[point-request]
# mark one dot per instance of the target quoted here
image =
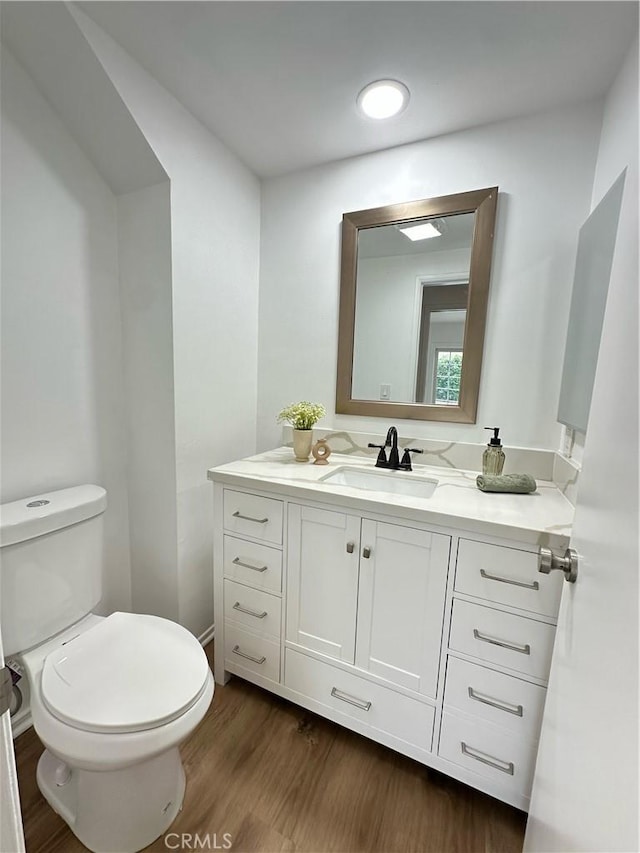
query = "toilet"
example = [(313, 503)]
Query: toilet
[(111, 697)]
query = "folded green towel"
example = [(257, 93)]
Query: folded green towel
[(518, 483)]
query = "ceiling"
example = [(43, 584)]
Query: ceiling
[(75, 85), (277, 81)]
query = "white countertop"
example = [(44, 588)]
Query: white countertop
[(543, 517)]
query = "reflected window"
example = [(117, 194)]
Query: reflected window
[(448, 370)]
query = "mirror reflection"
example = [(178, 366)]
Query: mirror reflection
[(412, 287)]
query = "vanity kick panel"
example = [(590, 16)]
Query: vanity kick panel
[(508, 576)]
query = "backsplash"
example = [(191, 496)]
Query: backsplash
[(566, 473), (465, 456)]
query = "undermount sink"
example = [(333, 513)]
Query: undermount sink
[(379, 480)]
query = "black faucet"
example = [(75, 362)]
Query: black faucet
[(393, 462), (392, 442)]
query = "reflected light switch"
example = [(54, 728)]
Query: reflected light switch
[(385, 392)]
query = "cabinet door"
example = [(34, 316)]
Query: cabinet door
[(322, 580), (401, 604)]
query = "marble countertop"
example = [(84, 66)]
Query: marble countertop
[(543, 517)]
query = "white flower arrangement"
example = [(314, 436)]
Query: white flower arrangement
[(302, 415)]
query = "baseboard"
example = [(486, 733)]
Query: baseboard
[(207, 635), (21, 725)]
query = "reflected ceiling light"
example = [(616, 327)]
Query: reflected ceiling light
[(383, 99), (423, 231)]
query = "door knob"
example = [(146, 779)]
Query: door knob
[(366, 552), (548, 561)]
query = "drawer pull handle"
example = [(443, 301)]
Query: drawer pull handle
[(535, 585), (238, 514), (495, 703), (238, 606), (505, 766), (238, 562), (515, 647), (236, 651), (344, 697)]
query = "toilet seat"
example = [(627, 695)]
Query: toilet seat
[(129, 673)]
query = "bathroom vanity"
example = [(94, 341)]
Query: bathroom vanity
[(410, 612)]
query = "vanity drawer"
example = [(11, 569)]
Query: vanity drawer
[(250, 652), (512, 641), (251, 563), (372, 704), (508, 576), (489, 751), (253, 515), (495, 697), (252, 608)]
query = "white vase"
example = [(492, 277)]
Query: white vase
[(302, 440)]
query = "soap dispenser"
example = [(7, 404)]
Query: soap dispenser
[(493, 457)]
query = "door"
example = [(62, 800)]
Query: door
[(11, 837), (585, 791), (322, 580), (403, 578)]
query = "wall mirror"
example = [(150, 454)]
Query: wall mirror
[(413, 301)]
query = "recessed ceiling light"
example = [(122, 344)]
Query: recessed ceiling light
[(383, 99), (424, 231)]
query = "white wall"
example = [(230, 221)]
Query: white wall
[(215, 221), (543, 166), (387, 319), (144, 244), (63, 405)]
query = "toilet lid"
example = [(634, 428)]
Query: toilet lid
[(126, 674)]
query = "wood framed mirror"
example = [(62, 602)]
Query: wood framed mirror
[(414, 288)]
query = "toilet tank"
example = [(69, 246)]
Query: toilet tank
[(51, 554)]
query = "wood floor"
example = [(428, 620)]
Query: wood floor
[(278, 778)]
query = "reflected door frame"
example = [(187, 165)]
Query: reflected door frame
[(446, 292)]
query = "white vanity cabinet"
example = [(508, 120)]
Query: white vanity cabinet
[(367, 593), (323, 557), (403, 582), (248, 596), (500, 642), (428, 638)]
